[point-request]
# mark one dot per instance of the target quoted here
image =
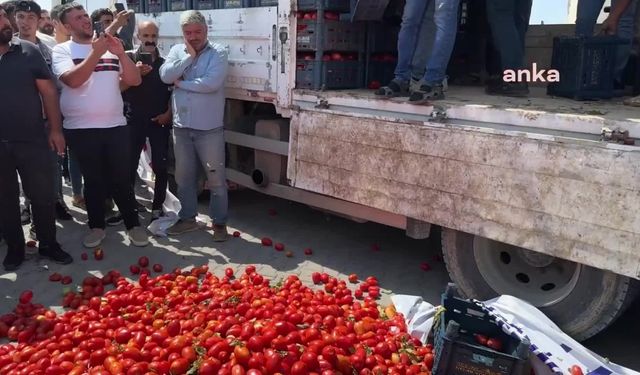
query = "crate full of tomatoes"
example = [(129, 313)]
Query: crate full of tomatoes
[(333, 70), (340, 6), (380, 69), (195, 322), (467, 340), (328, 33)]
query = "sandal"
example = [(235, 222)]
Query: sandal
[(394, 89), (426, 93)]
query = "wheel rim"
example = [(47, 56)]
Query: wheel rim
[(541, 279)]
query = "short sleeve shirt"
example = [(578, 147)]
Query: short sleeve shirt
[(97, 103), (21, 106)]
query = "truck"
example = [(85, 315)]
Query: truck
[(532, 197)]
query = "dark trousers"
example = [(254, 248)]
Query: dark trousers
[(159, 141), (509, 21), (104, 164), (32, 160)]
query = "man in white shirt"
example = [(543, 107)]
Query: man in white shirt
[(91, 69)]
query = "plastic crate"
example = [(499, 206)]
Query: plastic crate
[(266, 3), (231, 4), (382, 37), (456, 350), (328, 75), (381, 71), (205, 4), (324, 35), (341, 6), (155, 6), (368, 10), (136, 5), (179, 5), (586, 66)]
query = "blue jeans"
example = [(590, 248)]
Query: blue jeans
[(425, 43), (509, 21), (207, 147), (586, 19), (446, 22)]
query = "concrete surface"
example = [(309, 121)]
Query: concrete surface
[(340, 247)]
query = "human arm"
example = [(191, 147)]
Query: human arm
[(121, 20), (213, 79), (75, 75), (130, 74), (49, 95), (164, 118), (175, 64), (610, 25)]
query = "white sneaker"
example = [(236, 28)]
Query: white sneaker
[(138, 236), (94, 238)]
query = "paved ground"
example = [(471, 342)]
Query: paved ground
[(340, 247)]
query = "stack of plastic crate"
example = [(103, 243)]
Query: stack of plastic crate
[(330, 50)]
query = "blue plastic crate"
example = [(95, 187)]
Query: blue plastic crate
[(266, 3), (205, 4), (136, 5), (586, 66), (232, 4), (179, 5), (457, 352), (155, 6), (328, 75), (325, 35), (341, 6), (381, 71)]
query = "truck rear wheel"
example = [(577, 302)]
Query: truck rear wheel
[(581, 300)]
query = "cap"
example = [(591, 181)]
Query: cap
[(28, 6)]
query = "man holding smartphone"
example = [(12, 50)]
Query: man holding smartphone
[(148, 112), (91, 69)]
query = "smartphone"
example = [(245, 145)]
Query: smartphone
[(98, 28), (145, 58), (119, 7)]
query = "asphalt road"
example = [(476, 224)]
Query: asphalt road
[(340, 247)]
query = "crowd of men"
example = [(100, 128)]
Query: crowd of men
[(72, 85)]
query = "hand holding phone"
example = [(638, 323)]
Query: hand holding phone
[(145, 58), (119, 7), (98, 28)]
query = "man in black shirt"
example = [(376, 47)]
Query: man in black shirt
[(26, 88), (148, 112)]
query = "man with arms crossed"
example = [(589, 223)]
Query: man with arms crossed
[(198, 70), (26, 88), (91, 70)]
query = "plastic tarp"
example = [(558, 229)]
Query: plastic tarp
[(552, 351)]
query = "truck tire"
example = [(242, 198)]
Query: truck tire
[(581, 300)]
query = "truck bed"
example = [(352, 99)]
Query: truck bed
[(532, 172), (539, 113)]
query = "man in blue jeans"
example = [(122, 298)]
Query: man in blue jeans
[(431, 86), (509, 21), (622, 16), (198, 71)]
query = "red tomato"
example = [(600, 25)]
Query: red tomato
[(66, 280), (98, 254), (179, 366), (157, 267), (84, 256), (576, 370), (494, 344), (134, 269), (209, 366), (228, 272), (25, 297), (481, 339), (55, 277), (143, 261)]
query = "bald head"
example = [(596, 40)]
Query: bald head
[(148, 36)]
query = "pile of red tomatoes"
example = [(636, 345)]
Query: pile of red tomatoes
[(193, 322)]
